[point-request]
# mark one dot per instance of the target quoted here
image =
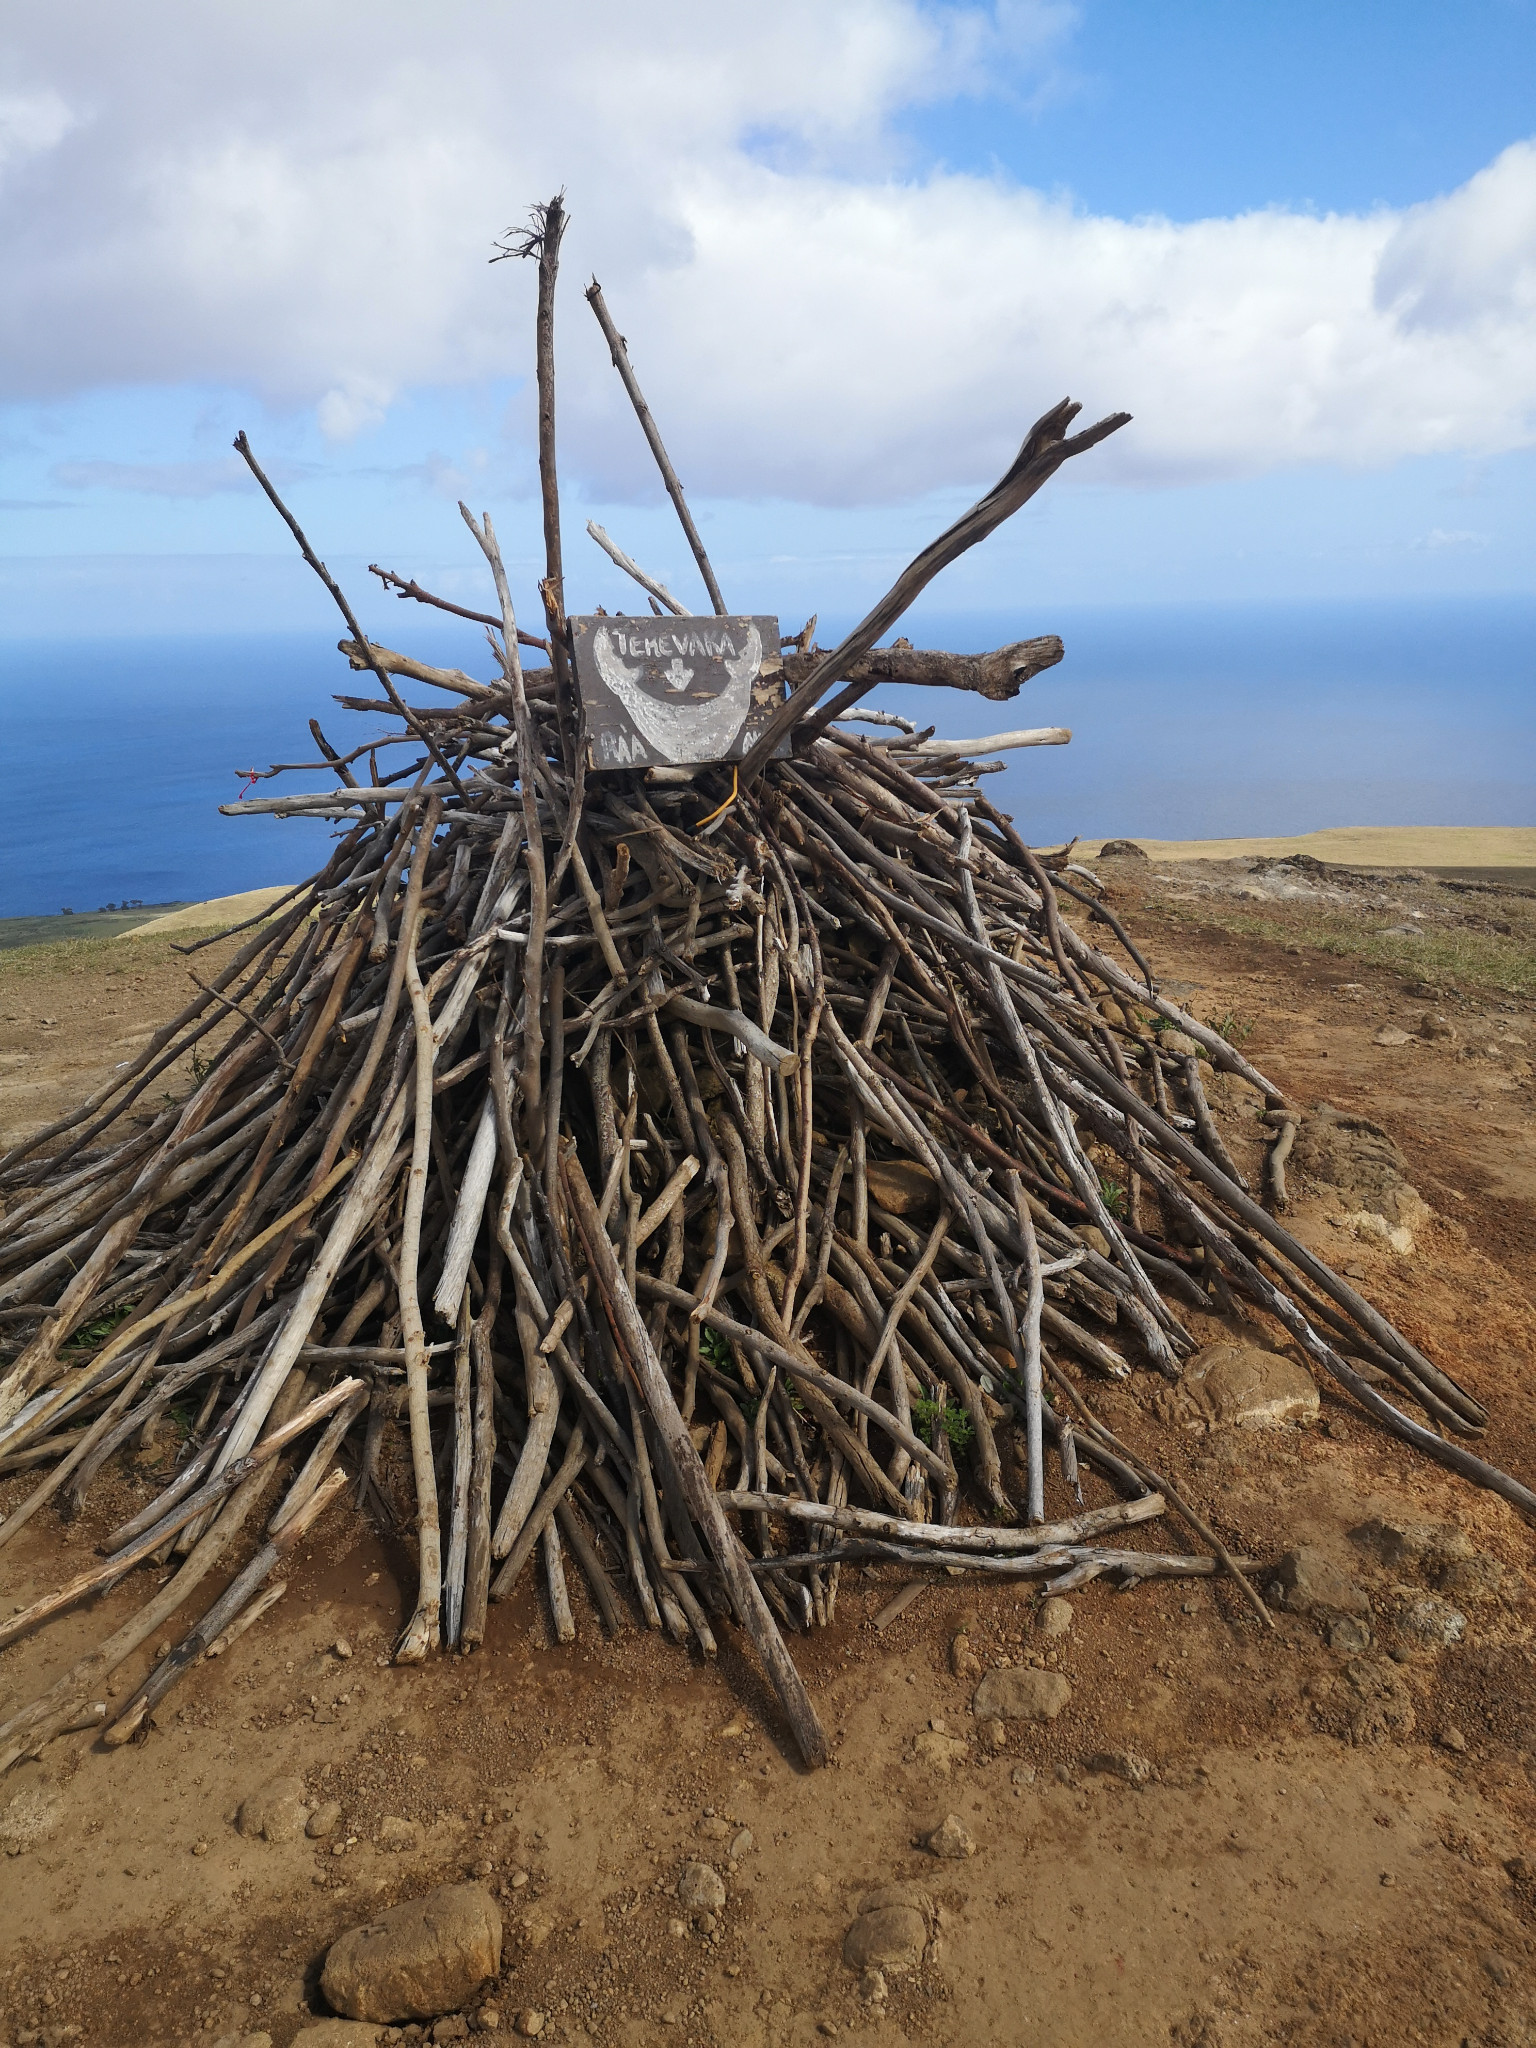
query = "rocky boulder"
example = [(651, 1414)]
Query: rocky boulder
[(1239, 1386), (421, 1958)]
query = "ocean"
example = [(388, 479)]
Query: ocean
[(1188, 722)]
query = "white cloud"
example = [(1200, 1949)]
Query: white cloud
[(300, 200), (31, 124)]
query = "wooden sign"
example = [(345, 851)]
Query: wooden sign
[(675, 693)]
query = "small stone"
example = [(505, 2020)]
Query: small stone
[(1436, 1027), (963, 1661), (1022, 1774), (1129, 1765), (939, 1751), (422, 1958), (743, 1842), (518, 1879), (529, 2024), (677, 1929), (951, 1839), (1453, 1740), (1020, 1695), (342, 1647), (1498, 1970), (399, 1836), (872, 1987), (323, 1821), (454, 2028), (1391, 1035), (1054, 1618), (487, 2020), (276, 1812), (199, 1848), (889, 1938), (996, 1733), (714, 1829), (701, 1889), (707, 1923), (1122, 849), (1522, 1869)]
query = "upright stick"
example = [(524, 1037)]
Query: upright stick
[(621, 363)]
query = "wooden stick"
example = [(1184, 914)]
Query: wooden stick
[(621, 362), (630, 1331), (649, 583), (1046, 447)]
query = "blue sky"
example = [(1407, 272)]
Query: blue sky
[(856, 249)]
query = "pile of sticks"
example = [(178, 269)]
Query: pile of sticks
[(694, 1172)]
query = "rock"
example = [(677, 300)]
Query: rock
[(996, 1733), (399, 1836), (323, 1821), (940, 1752), (1122, 849), (1391, 1035), (1129, 1765), (743, 1842), (424, 1957), (1439, 1029), (1427, 1624), (1357, 1157), (487, 2020), (963, 1661), (902, 1186), (337, 2034), (276, 1812), (1306, 1582), (454, 2028), (872, 1987), (1240, 1386), (713, 1828), (1021, 1695), (1348, 1636), (529, 2024), (701, 1889), (889, 1938), (1470, 1578), (1436, 1551), (1383, 1707), (1369, 1223), (1054, 1617), (1091, 1235), (1453, 1740), (1022, 1774), (951, 1839)]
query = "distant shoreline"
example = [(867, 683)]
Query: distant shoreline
[(1361, 846), (1443, 848)]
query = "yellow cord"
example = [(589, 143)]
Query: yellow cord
[(715, 813)]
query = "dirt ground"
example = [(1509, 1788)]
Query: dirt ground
[(1334, 1846)]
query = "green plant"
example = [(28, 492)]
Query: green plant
[(98, 1331), (1112, 1195), (716, 1352), (1234, 1029), (954, 1422)]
